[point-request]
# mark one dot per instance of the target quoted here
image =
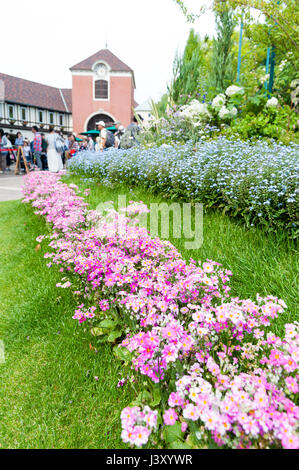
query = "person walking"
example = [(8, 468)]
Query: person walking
[(44, 152), (10, 155), (54, 158), (118, 134), (19, 142), (37, 147), (107, 138), (90, 143), (73, 147), (103, 134), (4, 144), (27, 154)]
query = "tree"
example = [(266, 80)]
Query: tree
[(279, 23), (222, 72), (189, 70)]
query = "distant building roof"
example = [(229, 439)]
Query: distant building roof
[(104, 54), (21, 91), (145, 106), (67, 94), (107, 56)]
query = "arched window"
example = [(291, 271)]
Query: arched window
[(101, 89)]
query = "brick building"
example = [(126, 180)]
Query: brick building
[(102, 89)]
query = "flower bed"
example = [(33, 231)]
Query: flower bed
[(212, 371), (256, 181)]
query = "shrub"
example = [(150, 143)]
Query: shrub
[(257, 181)]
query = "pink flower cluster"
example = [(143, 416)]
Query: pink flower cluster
[(239, 409), (137, 424), (239, 379)]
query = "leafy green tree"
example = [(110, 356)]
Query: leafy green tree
[(278, 23)]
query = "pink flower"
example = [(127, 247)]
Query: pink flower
[(140, 435), (127, 435), (175, 399), (170, 417), (129, 415), (191, 412), (292, 384), (290, 441), (184, 426), (170, 353)]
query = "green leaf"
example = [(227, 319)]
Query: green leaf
[(108, 324), (173, 433), (95, 331), (179, 445), (193, 441), (113, 335), (156, 397), (122, 353), (142, 398)]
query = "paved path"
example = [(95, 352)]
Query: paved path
[(10, 186)]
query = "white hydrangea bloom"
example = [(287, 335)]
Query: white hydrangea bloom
[(233, 111), (218, 101), (224, 113), (195, 109), (272, 103), (234, 90)]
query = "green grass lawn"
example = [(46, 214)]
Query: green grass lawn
[(49, 397)]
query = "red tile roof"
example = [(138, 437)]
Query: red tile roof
[(67, 94), (104, 54), (21, 91)]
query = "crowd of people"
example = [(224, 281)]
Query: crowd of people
[(52, 151)]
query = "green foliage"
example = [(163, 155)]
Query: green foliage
[(161, 105), (173, 434), (278, 26), (56, 392), (189, 70), (222, 72), (273, 123)]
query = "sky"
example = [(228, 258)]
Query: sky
[(43, 39)]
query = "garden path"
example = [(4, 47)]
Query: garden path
[(10, 186)]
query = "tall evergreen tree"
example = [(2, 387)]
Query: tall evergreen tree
[(187, 70), (222, 73)]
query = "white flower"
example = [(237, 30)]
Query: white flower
[(234, 90), (195, 108), (218, 101), (282, 65), (272, 103), (233, 111), (224, 113), (265, 78)]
